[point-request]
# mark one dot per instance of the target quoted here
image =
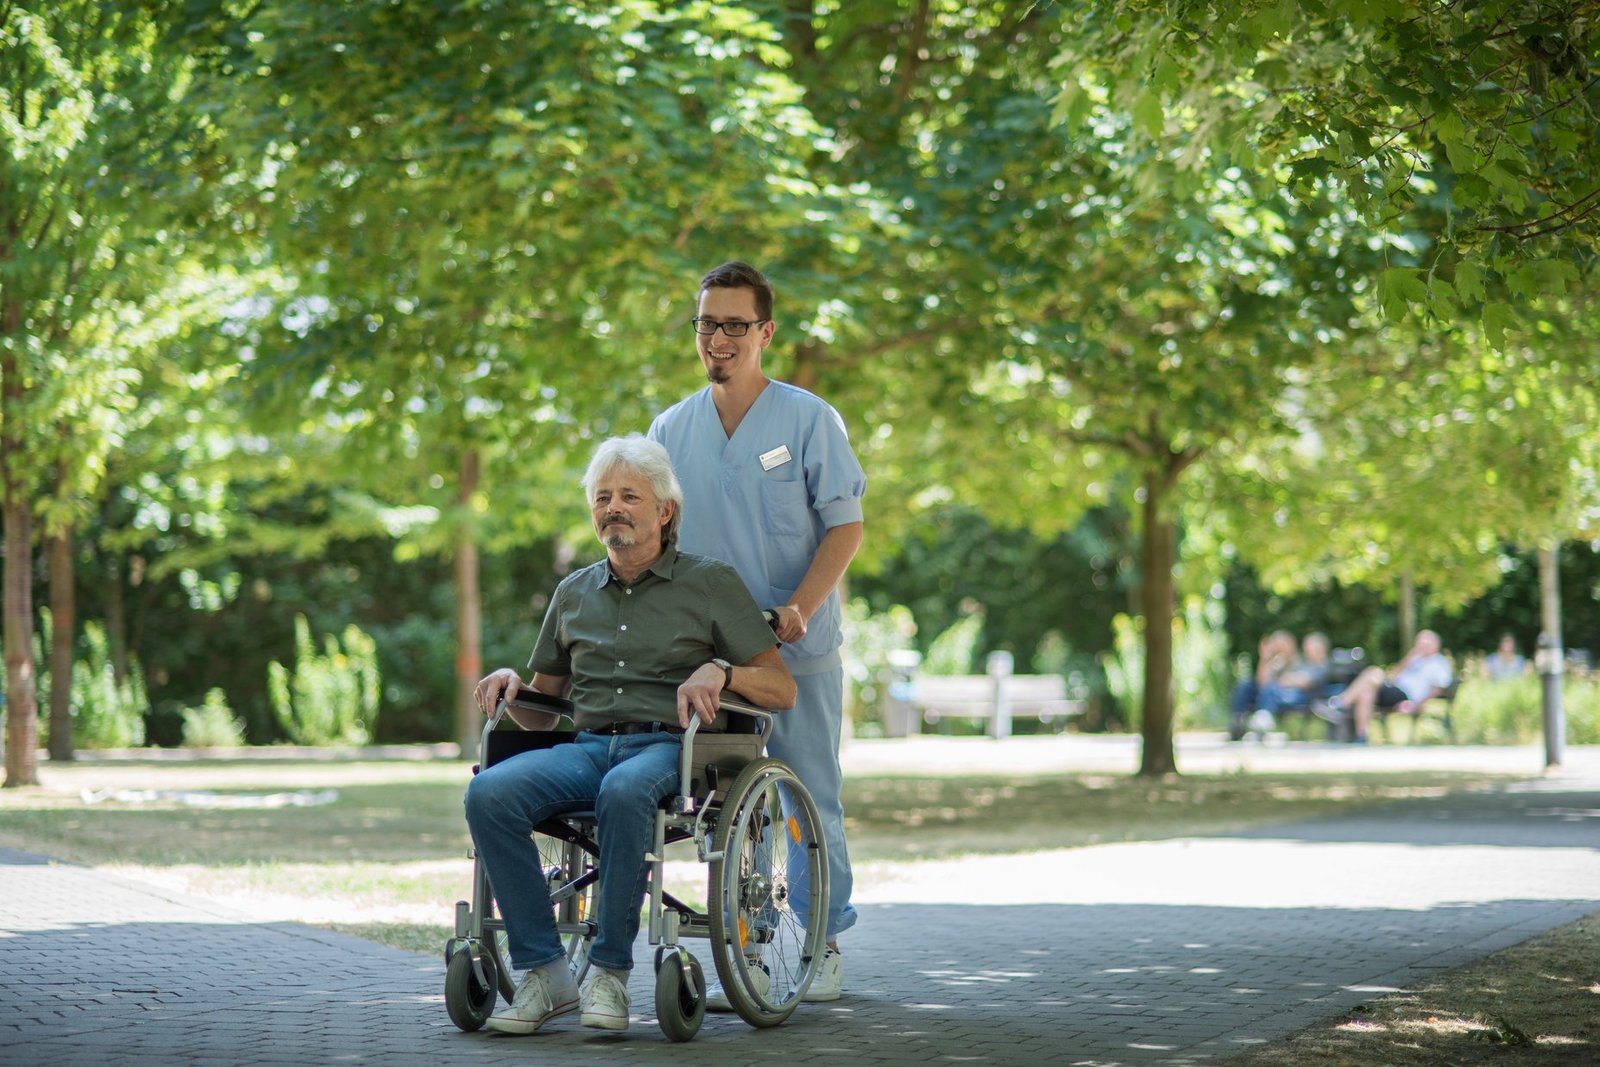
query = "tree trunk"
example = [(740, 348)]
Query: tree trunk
[(1157, 555), (22, 708), (1408, 611), (63, 627), (117, 618), (1551, 655), (22, 705), (807, 365), (469, 620)]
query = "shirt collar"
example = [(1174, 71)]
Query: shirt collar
[(661, 568)]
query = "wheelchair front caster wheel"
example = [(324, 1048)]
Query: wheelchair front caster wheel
[(469, 999), (680, 996)]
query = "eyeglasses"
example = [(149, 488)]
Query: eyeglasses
[(708, 327)]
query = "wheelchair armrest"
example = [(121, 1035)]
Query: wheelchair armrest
[(708, 755), (503, 744), (495, 745), (743, 717)]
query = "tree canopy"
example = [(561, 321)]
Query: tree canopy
[(1277, 272)]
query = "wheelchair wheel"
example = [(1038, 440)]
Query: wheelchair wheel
[(680, 995), (769, 840), (468, 998)]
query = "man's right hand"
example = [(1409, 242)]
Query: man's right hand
[(502, 684)]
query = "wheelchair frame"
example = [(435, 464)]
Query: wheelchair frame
[(765, 954)]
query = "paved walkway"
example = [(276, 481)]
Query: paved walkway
[(1166, 953)]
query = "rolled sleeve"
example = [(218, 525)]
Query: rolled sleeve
[(841, 512)]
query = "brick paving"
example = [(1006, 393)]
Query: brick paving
[(1164, 953)]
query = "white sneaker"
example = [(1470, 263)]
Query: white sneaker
[(760, 981), (544, 994), (829, 982), (604, 1001), (1262, 721)]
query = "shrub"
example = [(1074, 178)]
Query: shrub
[(869, 642), (212, 724), (956, 648), (331, 698), (105, 713), (1511, 712), (1200, 667)]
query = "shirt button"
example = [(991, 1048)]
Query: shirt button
[(622, 663), (624, 626), (619, 690), (628, 591)]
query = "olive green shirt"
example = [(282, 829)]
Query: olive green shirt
[(629, 647)]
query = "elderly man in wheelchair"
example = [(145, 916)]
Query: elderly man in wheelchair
[(570, 829)]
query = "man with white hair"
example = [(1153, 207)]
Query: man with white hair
[(639, 641), (1413, 681)]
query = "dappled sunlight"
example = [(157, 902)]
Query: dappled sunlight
[(321, 893)]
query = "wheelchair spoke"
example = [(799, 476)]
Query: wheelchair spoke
[(765, 946)]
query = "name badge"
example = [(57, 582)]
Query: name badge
[(776, 458)]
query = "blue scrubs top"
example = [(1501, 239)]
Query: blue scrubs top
[(763, 499)]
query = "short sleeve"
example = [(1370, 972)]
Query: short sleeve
[(739, 630), (834, 476), (550, 653)]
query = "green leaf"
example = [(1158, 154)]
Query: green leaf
[(1463, 157), (1148, 115), (1497, 319), (1072, 106), (1398, 289), (1469, 281), (1525, 281)]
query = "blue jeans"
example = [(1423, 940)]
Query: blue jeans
[(623, 780), (806, 737), (1248, 696)]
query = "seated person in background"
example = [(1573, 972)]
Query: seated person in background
[(1262, 694), (1416, 678), (1303, 684), (1505, 662), (641, 640)]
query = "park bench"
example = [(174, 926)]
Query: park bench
[(1344, 665), (1439, 706), (998, 698)]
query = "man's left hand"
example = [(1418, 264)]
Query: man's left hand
[(700, 695)]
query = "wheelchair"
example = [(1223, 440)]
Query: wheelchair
[(741, 809)]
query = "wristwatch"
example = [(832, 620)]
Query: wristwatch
[(727, 672)]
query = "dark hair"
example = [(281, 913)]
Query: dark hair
[(737, 274)]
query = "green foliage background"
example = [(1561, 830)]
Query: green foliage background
[(307, 301)]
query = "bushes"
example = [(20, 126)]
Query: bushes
[(872, 644), (331, 698), (106, 713), (1200, 676), (212, 724), (1511, 712)]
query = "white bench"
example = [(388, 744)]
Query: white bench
[(997, 698)]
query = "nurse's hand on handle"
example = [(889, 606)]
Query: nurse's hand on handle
[(791, 624)]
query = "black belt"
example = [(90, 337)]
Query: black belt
[(635, 728)]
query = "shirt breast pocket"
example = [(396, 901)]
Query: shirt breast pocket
[(785, 507)]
